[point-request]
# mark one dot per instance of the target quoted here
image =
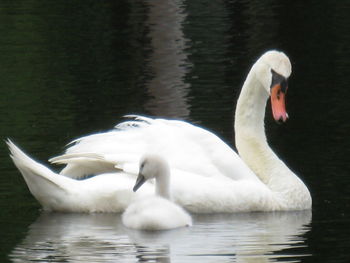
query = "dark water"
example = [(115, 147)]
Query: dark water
[(70, 68)]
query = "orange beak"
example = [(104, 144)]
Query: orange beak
[(278, 103)]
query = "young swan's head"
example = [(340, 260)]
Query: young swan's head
[(273, 70), (151, 166)]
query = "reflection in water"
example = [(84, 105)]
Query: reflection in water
[(258, 237), (168, 60)]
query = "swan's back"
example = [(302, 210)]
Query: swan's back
[(177, 141), (155, 213)]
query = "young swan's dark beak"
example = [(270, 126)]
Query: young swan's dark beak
[(139, 182)]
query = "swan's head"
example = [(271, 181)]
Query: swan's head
[(273, 70), (151, 166)]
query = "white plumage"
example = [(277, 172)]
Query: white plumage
[(155, 212), (207, 175)]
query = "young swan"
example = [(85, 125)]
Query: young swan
[(155, 212)]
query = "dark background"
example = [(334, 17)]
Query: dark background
[(71, 68)]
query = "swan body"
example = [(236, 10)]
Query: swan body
[(155, 212), (207, 175), (111, 192)]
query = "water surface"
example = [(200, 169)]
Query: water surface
[(262, 237), (71, 68)]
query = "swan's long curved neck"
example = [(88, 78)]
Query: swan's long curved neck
[(163, 183), (249, 128), (252, 145), (250, 110)]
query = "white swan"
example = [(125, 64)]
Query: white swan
[(155, 212), (208, 176)]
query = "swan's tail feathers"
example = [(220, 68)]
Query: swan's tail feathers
[(44, 184), (80, 165)]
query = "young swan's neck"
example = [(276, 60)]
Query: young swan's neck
[(254, 150), (163, 181)]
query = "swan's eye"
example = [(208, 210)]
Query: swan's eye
[(278, 79), (284, 86), (142, 165)]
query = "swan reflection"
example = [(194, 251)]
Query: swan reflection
[(249, 237)]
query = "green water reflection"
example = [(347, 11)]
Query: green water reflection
[(70, 68)]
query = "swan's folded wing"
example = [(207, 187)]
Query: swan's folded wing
[(80, 165), (185, 146)]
